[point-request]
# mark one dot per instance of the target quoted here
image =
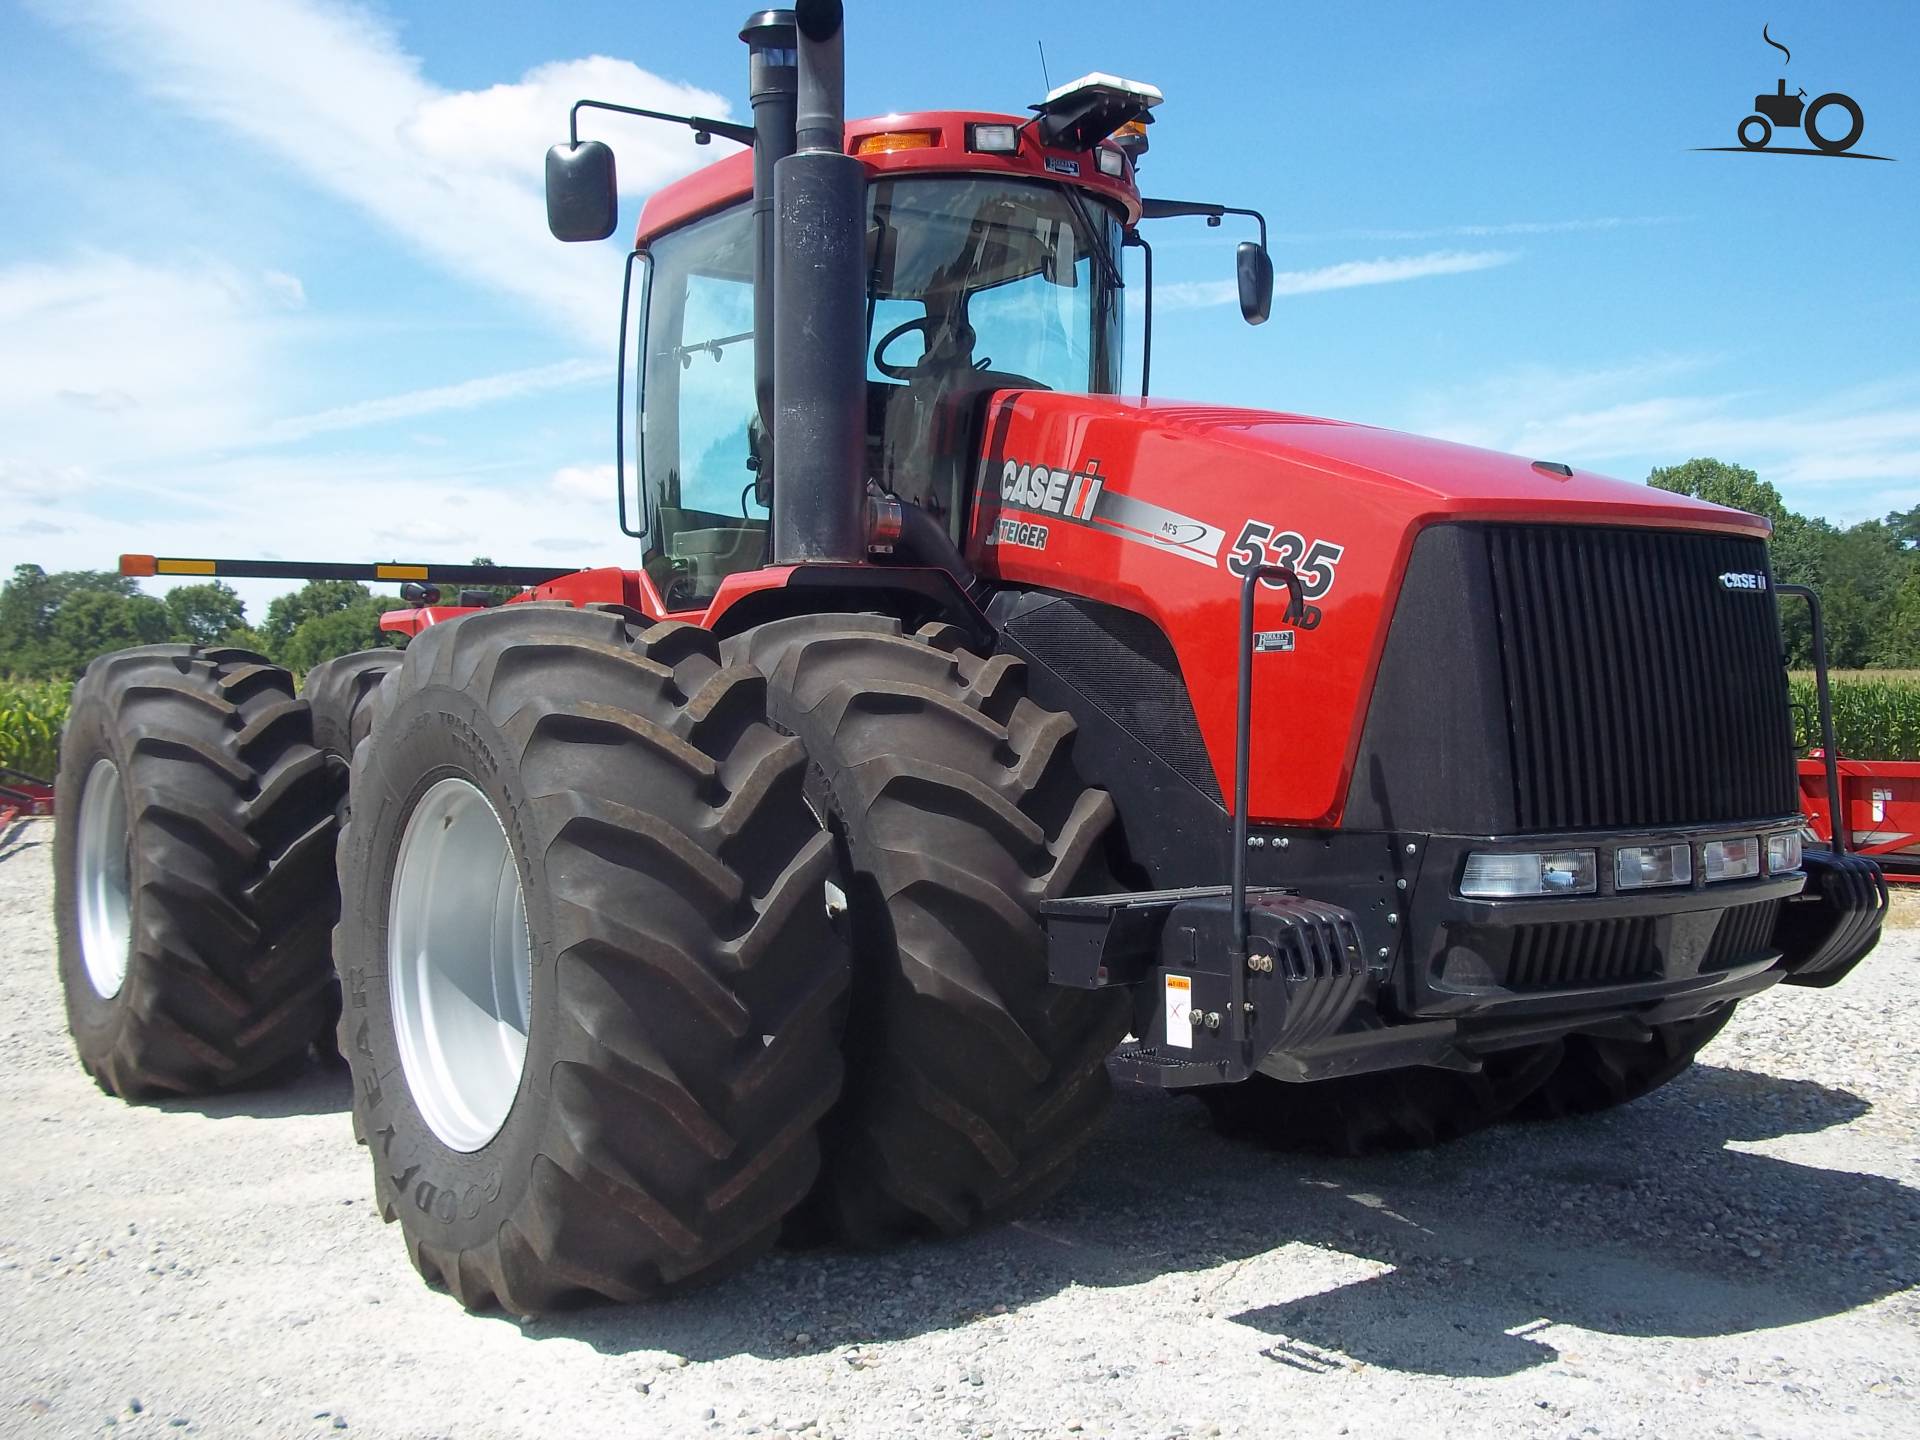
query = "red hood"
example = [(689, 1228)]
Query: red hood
[(1439, 477)]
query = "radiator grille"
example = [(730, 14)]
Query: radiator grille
[(1583, 952), (1640, 690), (1743, 932)]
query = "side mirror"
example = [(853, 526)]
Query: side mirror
[(583, 203), (1253, 268)]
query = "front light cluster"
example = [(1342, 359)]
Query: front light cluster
[(1511, 875)]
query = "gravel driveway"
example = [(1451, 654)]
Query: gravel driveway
[(1734, 1256)]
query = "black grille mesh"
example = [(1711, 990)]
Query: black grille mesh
[(1582, 952), (1640, 690), (1743, 932)]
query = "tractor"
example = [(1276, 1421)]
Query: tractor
[(967, 737)]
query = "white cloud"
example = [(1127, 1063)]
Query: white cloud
[(466, 395), (330, 91), (1197, 294)]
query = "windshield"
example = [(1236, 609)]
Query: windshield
[(976, 284)]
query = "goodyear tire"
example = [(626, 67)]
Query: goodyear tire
[(1597, 1074), (192, 871), (649, 870), (1405, 1109), (972, 1083)]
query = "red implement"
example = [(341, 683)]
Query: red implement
[(1880, 803)]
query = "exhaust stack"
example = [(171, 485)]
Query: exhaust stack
[(819, 305), (773, 84)]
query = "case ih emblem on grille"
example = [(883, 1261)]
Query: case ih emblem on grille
[(1743, 580)]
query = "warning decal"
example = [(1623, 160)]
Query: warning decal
[(1180, 1011)]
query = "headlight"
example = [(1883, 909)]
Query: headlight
[(1639, 867), (1731, 859), (1783, 852), (1492, 876)]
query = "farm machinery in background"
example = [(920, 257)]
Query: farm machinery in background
[(966, 734)]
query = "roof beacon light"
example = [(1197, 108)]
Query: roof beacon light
[(1081, 113)]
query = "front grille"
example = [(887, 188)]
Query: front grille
[(1640, 690), (1743, 933), (1582, 952)]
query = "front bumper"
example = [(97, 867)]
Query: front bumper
[(1384, 964)]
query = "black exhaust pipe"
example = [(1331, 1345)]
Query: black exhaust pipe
[(819, 332), (773, 83)]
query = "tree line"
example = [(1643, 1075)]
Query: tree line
[(1867, 575), (51, 625)]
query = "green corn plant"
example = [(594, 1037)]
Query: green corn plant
[(31, 714), (1876, 714)]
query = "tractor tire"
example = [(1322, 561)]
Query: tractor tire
[(676, 984), (972, 1083), (340, 693), (1385, 1110), (1597, 1074), (192, 872)]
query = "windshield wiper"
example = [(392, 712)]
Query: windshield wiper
[(1098, 236), (713, 347)]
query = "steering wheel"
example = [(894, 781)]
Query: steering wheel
[(924, 324)]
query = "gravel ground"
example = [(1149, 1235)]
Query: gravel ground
[(1734, 1256)]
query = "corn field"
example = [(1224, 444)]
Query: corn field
[(31, 713), (1876, 713)]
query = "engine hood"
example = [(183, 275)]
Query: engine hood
[(1160, 509), (1437, 477)]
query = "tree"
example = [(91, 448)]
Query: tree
[(52, 625), (337, 632), (93, 622), (1722, 484), (1905, 525), (205, 614), (316, 598)]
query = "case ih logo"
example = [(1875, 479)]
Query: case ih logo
[(1745, 580), (1793, 112), (1052, 492)]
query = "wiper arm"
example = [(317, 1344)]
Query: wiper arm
[(685, 353), (1098, 236)]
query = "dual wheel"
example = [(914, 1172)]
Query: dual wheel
[(605, 890)]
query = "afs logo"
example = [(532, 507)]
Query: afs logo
[(1819, 121)]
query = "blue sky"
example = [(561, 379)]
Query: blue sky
[(275, 277)]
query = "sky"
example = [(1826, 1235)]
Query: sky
[(275, 278)]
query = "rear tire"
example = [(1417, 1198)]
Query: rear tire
[(1407, 1109), (1597, 1074), (684, 982), (340, 692), (192, 878), (972, 1083)]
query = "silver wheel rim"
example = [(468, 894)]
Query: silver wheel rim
[(105, 879), (459, 965)]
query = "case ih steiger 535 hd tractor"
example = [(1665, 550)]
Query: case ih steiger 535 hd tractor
[(965, 734)]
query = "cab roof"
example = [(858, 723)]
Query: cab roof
[(940, 145)]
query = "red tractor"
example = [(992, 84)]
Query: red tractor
[(965, 735)]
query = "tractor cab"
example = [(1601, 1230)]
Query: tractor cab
[(992, 263)]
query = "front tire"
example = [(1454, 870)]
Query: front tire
[(651, 867), (192, 874), (1597, 1074), (972, 1083), (1405, 1109)]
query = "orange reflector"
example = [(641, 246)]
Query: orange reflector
[(400, 572), (888, 141), (137, 565), (185, 567)]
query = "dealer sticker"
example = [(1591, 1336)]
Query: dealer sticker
[(1180, 1011)]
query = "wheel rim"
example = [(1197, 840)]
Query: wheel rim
[(105, 879), (459, 965)]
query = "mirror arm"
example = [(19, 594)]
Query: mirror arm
[(1174, 209), (703, 128)]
